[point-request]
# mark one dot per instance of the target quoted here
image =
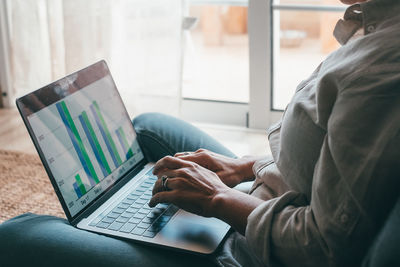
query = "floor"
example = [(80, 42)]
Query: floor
[(13, 134), (242, 141)]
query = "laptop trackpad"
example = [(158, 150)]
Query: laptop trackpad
[(187, 229)]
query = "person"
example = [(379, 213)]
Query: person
[(320, 199)]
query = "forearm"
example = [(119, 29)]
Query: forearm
[(234, 207)]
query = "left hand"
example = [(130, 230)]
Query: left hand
[(191, 186), (231, 171)]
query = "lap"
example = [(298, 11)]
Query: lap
[(33, 240), (160, 135), (385, 249)]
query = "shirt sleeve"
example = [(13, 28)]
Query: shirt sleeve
[(268, 183), (354, 186)]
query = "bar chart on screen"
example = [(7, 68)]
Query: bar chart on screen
[(88, 141)]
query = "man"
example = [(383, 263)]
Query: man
[(321, 198), (333, 178)]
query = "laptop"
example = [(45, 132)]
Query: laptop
[(88, 146)]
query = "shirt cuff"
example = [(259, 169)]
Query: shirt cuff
[(260, 225)]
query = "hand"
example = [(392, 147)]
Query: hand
[(191, 187), (200, 191), (231, 171)]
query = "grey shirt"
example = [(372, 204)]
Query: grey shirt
[(334, 173)]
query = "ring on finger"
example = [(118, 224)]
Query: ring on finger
[(164, 181)]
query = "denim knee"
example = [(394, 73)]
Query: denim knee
[(161, 134)]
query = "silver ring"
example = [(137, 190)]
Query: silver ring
[(186, 153), (164, 181)]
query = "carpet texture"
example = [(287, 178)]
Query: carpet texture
[(25, 187)]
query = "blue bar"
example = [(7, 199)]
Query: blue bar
[(103, 134), (75, 143), (77, 191), (121, 142), (92, 144)]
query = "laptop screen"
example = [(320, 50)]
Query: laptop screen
[(84, 134)]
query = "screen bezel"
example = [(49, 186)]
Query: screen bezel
[(30, 104)]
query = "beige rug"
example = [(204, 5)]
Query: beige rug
[(25, 187)]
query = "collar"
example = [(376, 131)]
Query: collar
[(352, 21), (366, 16)]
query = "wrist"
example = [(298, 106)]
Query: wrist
[(246, 168), (234, 207), (219, 202)]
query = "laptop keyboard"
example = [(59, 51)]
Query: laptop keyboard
[(133, 215)]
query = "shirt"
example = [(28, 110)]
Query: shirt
[(334, 174)]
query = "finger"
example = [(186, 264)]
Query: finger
[(188, 157), (169, 162), (157, 187), (173, 182), (194, 157), (202, 150), (182, 172), (186, 153), (200, 157), (180, 154), (163, 197)]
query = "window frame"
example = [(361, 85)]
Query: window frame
[(276, 28), (258, 113)]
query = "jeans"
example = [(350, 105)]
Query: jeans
[(37, 240), (385, 249)]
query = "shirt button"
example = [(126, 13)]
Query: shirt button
[(344, 218), (371, 28)]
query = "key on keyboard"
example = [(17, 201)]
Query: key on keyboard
[(134, 216)]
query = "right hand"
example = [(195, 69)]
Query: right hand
[(231, 171)]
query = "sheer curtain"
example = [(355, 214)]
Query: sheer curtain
[(139, 39)]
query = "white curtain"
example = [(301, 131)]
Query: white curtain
[(139, 39)]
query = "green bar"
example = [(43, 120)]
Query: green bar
[(96, 142), (78, 138), (103, 122), (80, 184), (121, 131)]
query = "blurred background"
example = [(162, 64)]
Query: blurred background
[(217, 53), (218, 62)]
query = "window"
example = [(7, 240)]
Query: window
[(302, 38), (215, 80), (287, 40), (216, 65), (240, 65), (280, 50)]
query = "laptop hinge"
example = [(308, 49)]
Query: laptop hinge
[(88, 210)]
